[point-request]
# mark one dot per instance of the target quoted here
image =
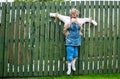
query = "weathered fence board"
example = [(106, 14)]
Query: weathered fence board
[(80, 59), (2, 41), (115, 37), (119, 41), (26, 65), (96, 41), (7, 31), (62, 47), (106, 39)]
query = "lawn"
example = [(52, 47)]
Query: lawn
[(91, 76)]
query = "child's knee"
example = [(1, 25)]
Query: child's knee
[(75, 55)]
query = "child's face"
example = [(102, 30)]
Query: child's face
[(73, 15)]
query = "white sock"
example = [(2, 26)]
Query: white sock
[(69, 69), (73, 65)]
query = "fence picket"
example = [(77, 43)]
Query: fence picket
[(21, 38), (32, 36), (26, 64), (2, 40), (51, 42), (42, 40), (62, 45), (119, 42), (46, 39), (57, 43), (115, 37), (36, 49), (54, 44), (7, 36), (101, 38), (16, 52), (91, 28), (82, 44), (96, 39), (12, 44), (60, 40), (105, 37), (110, 38), (86, 66)]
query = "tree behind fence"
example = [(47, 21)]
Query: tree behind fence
[(32, 43)]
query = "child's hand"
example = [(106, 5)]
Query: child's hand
[(56, 15), (53, 14), (81, 33), (90, 19)]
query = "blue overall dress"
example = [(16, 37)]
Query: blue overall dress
[(73, 40)]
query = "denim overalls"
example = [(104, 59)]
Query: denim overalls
[(73, 40)]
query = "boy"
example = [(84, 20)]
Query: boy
[(72, 30)]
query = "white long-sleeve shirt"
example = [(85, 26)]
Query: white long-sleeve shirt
[(67, 19)]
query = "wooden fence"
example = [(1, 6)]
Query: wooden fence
[(32, 43)]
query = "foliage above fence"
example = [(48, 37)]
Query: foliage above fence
[(32, 43), (35, 0)]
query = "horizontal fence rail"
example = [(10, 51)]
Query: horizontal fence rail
[(32, 43)]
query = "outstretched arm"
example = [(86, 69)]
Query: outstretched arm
[(84, 20), (63, 18), (66, 19)]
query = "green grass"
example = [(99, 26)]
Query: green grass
[(91, 76)]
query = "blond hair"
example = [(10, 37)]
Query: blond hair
[(74, 10)]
